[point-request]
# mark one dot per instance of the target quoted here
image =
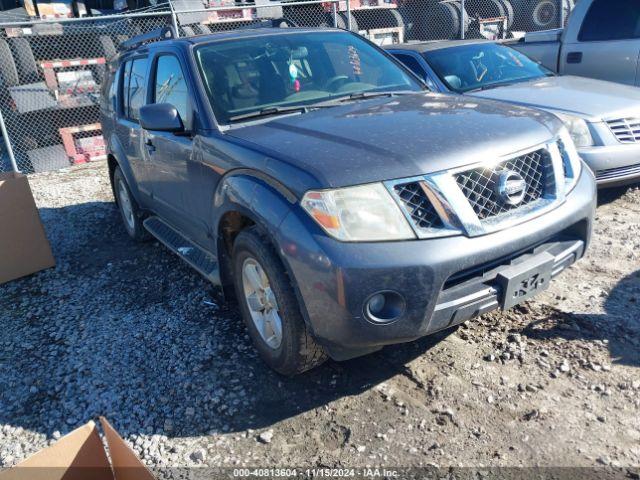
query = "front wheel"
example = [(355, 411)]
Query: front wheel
[(269, 307)]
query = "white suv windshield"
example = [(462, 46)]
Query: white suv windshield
[(246, 75), (481, 66)]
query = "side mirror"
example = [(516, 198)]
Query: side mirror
[(161, 117)]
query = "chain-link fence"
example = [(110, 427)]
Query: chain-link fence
[(51, 70)]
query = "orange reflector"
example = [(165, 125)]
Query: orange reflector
[(327, 221)]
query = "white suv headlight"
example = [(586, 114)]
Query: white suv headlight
[(578, 129), (365, 213), (570, 159)]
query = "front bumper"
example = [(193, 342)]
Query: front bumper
[(616, 164), (443, 281)]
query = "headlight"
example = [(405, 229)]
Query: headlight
[(578, 129), (570, 159), (365, 213)]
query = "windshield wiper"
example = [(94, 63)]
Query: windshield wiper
[(363, 95), (357, 96), (269, 111), (490, 87)]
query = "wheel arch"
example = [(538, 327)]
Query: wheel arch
[(244, 199)]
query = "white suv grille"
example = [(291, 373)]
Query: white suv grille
[(626, 130)]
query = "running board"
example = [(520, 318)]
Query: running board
[(195, 256)]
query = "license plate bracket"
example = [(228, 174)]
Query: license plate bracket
[(525, 280)]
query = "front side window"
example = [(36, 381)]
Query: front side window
[(137, 88), (171, 87), (483, 65), (293, 69), (412, 64), (611, 20)]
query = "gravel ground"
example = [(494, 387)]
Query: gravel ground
[(128, 331)]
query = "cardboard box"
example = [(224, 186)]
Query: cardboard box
[(24, 248), (81, 455)]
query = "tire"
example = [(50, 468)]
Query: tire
[(297, 351), (188, 31), (547, 14), (132, 224), (8, 70), (108, 47), (307, 16), (509, 12), (449, 18), (204, 29), (464, 20), (491, 9), (25, 61), (398, 19), (342, 21), (439, 21)]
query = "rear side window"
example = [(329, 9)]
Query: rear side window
[(137, 87), (109, 88), (611, 20), (171, 87), (124, 95), (114, 80)]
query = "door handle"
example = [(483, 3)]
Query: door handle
[(150, 146), (574, 57)]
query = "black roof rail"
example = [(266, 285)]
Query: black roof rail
[(163, 33)]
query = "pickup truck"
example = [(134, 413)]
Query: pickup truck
[(601, 40)]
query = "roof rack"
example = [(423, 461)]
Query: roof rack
[(163, 33)]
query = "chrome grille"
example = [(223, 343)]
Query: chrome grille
[(626, 130), (480, 185), (613, 173), (418, 206)]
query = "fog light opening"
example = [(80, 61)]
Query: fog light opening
[(384, 307)]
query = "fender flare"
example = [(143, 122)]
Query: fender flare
[(256, 195), (267, 203)]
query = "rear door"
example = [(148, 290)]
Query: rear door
[(607, 46), (131, 97)]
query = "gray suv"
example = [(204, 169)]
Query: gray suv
[(345, 206)]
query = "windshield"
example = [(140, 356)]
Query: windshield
[(484, 65), (248, 75)]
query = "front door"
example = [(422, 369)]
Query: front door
[(608, 44), (172, 163)]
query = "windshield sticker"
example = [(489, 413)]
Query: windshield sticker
[(479, 69), (354, 60)]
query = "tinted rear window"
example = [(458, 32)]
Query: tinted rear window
[(611, 20)]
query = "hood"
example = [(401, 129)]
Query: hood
[(590, 99), (399, 137)]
